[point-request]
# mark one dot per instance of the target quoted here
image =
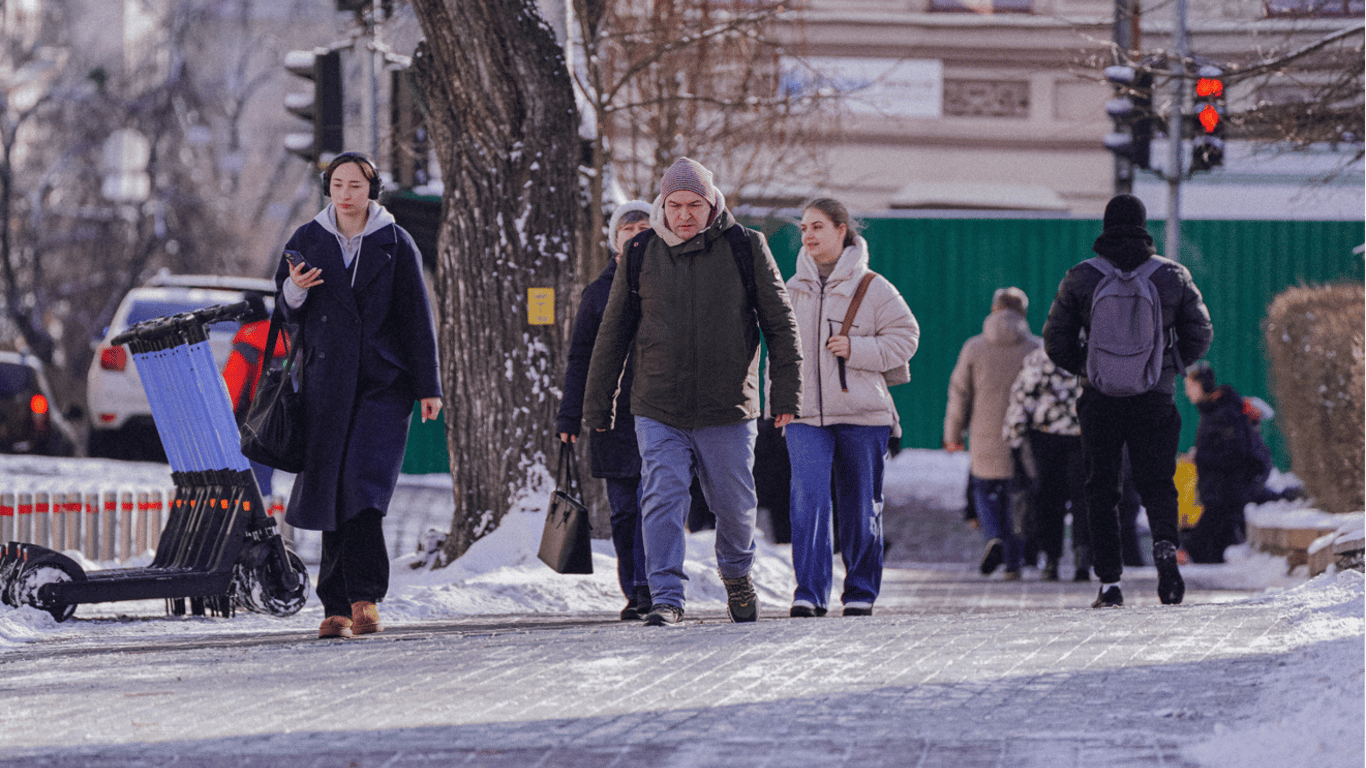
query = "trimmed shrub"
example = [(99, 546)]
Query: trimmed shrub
[(1314, 338)]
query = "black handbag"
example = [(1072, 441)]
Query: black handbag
[(273, 433), (566, 544)]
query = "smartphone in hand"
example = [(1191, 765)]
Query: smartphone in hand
[(295, 259)]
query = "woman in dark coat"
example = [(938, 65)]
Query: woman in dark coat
[(1231, 464), (358, 304), (616, 458)]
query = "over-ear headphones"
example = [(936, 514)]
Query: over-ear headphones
[(359, 158)]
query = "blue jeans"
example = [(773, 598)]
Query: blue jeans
[(722, 459), (854, 455), (623, 494), (992, 498)]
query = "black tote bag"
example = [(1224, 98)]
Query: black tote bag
[(273, 433), (565, 542)]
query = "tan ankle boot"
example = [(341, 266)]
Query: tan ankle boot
[(365, 618), (335, 626)]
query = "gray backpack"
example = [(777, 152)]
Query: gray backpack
[(1126, 342)]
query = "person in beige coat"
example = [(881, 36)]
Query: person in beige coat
[(847, 412), (979, 393)]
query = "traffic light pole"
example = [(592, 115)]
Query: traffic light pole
[(1172, 242), (1126, 39)]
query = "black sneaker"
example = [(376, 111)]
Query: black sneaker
[(858, 610), (1171, 588), (1050, 570), (664, 615), (741, 602), (992, 558), (1109, 598), (805, 610), (632, 611)]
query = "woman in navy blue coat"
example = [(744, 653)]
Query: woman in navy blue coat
[(359, 308), (615, 456)]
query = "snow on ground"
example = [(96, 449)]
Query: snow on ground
[(500, 575), (1312, 705)]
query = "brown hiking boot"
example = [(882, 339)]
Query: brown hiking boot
[(365, 618), (335, 626)]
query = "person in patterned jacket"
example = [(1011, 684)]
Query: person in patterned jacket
[(1041, 423)]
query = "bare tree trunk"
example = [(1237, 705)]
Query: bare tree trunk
[(503, 121)]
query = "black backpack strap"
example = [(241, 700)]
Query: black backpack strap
[(635, 254), (744, 261)]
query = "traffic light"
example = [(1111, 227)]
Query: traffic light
[(321, 105), (1207, 149), (1132, 111)]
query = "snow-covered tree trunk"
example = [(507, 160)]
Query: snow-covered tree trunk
[(502, 119)]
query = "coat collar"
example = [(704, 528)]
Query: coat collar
[(848, 271), (376, 252)]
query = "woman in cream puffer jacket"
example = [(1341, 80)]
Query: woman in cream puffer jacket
[(845, 423)]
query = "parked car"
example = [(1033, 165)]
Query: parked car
[(29, 421), (120, 418)]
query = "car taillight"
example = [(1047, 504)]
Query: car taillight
[(113, 358), (38, 404)]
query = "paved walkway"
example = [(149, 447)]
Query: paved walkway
[(954, 671)]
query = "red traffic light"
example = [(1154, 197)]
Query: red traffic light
[(1209, 87), (1209, 118)]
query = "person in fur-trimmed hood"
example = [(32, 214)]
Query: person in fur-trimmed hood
[(979, 392), (847, 410), (1147, 423)]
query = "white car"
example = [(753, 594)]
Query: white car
[(120, 418)]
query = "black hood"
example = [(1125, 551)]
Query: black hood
[(1126, 248)]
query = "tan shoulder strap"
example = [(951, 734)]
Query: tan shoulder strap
[(849, 321), (855, 302)]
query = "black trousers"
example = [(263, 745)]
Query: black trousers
[(1150, 426), (355, 564), (1060, 475)]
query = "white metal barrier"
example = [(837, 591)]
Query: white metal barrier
[(102, 524)]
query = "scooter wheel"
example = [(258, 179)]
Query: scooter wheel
[(257, 586), (27, 583)]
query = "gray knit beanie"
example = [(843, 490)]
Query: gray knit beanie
[(690, 175), (628, 212)]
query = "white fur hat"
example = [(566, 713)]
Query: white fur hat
[(615, 222)]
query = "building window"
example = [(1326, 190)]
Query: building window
[(982, 6), (1314, 8), (986, 98)]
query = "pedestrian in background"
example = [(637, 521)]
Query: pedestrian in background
[(707, 287), (1232, 464), (1147, 423), (614, 455), (979, 392), (359, 306), (1041, 421), (847, 410)]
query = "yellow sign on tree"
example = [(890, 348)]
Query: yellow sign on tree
[(540, 306)]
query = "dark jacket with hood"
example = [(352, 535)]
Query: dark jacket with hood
[(1127, 244), (614, 452), (368, 353), (695, 348), (1232, 461)]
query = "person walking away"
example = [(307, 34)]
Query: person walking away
[(1042, 419), (1138, 410), (688, 307), (359, 307), (614, 455), (243, 369), (847, 410), (1232, 464), (979, 391)]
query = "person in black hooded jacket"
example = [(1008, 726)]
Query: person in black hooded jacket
[(1147, 423), (1232, 464)]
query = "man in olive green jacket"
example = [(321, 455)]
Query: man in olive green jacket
[(694, 341)]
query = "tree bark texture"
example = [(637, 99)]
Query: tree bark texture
[(502, 118)]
